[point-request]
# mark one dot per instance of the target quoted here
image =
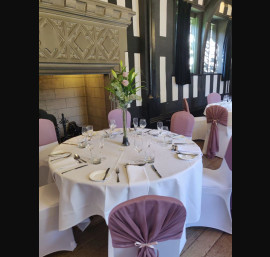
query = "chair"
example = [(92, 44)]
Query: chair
[(216, 196), (140, 226), (117, 115), (200, 125), (47, 142), (44, 115), (182, 123), (213, 98), (50, 238), (218, 133)]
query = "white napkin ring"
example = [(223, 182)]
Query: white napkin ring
[(150, 245)]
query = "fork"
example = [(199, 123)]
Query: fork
[(117, 172)]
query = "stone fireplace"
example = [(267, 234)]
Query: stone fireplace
[(79, 43)]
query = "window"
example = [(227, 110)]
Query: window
[(210, 50), (193, 43)]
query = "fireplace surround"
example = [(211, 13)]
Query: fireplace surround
[(79, 43)]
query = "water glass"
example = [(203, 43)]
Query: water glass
[(149, 155), (90, 130), (82, 142)]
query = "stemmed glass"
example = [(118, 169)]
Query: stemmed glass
[(112, 124), (142, 124), (90, 130), (135, 123), (101, 144), (84, 132), (225, 98), (160, 127)]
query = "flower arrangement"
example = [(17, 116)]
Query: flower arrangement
[(123, 86)]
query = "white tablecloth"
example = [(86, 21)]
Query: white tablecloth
[(80, 197), (227, 105)]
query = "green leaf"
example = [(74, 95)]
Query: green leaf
[(114, 74)]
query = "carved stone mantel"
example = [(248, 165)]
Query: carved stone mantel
[(86, 36)]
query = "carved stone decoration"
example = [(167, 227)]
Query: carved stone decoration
[(89, 33)]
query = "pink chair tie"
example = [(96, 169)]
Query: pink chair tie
[(215, 114), (186, 107)]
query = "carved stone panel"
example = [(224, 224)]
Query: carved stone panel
[(70, 40), (65, 41)]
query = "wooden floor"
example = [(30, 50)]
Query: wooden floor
[(201, 242)]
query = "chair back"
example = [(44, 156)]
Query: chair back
[(117, 115), (145, 221), (213, 98), (228, 154), (182, 123), (47, 132), (185, 105), (215, 114)]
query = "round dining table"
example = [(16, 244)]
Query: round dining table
[(81, 197)]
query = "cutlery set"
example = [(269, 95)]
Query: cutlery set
[(77, 157)]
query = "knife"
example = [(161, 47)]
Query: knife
[(153, 167), (69, 144), (74, 168), (106, 173)]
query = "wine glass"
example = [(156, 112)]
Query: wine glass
[(135, 123), (160, 127), (90, 130), (84, 131), (112, 124), (142, 124), (101, 144)]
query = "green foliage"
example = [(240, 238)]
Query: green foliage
[(124, 94)]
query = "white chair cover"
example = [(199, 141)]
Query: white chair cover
[(50, 238), (45, 176), (200, 128), (224, 133), (216, 194)]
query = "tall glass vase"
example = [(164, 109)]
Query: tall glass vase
[(125, 139)]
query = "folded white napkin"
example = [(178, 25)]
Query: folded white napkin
[(182, 139), (66, 164), (138, 181), (192, 148)]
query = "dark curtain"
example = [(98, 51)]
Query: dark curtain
[(182, 72), (227, 53)]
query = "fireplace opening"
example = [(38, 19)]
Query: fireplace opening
[(80, 99)]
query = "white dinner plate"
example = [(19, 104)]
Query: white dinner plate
[(187, 157), (98, 175)]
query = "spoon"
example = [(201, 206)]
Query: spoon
[(77, 157)]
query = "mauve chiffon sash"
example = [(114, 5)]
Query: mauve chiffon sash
[(215, 114), (146, 220)]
